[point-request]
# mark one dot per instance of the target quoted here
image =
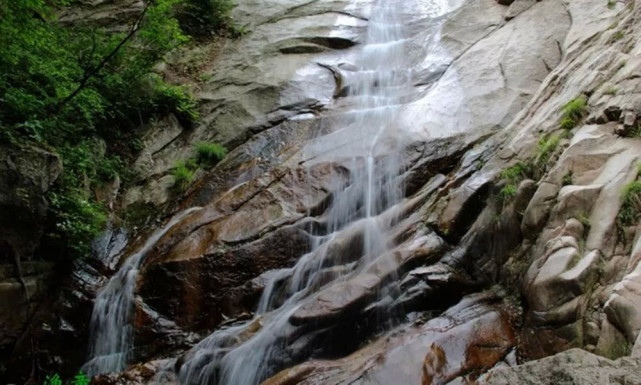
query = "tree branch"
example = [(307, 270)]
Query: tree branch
[(94, 71)]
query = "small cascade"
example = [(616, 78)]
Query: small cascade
[(250, 352), (111, 329)]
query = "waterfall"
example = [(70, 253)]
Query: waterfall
[(243, 354), (111, 337)]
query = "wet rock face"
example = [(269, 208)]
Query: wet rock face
[(198, 293), (553, 239), (460, 344)]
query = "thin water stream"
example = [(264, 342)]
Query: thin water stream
[(111, 329)]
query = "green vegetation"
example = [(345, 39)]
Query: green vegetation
[(78, 219), (178, 100), (584, 218), (513, 176), (618, 35), (81, 92), (630, 211), (573, 112), (635, 132), (546, 147), (567, 179), (508, 191), (183, 173), (516, 173), (202, 17), (612, 90), (617, 348), (208, 154), (611, 4)]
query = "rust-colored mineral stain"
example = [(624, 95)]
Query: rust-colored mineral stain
[(434, 363), (469, 349)]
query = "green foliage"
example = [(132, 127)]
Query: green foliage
[(573, 112), (612, 90), (567, 179), (183, 173), (611, 4), (633, 132), (513, 176), (546, 147), (136, 145), (61, 86), (177, 99), (630, 211), (618, 35), (208, 154), (508, 192), (160, 31), (238, 30), (200, 17), (585, 221), (78, 220), (516, 173)]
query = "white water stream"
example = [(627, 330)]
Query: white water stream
[(111, 329), (241, 355)]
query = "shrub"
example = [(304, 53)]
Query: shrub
[(573, 112), (77, 220), (546, 147), (517, 172), (178, 100), (183, 173), (201, 17), (208, 154), (630, 211), (507, 192), (512, 176)]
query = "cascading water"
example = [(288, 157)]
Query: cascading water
[(244, 354), (111, 330)]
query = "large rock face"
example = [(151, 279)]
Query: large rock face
[(481, 271), (26, 174)]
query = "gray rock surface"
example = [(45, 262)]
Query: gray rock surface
[(573, 367)]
